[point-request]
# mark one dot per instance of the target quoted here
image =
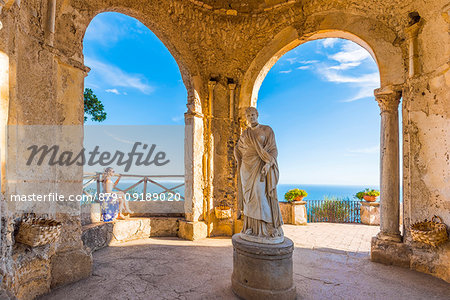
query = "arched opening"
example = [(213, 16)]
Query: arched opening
[(141, 88), (329, 133)]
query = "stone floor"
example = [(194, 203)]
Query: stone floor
[(330, 262)]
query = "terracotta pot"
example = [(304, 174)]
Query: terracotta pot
[(370, 198), (299, 198)]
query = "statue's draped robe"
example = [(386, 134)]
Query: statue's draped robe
[(262, 215)]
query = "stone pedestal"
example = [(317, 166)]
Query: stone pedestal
[(262, 271), (390, 252), (298, 211), (370, 213)]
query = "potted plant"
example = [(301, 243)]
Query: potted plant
[(295, 195), (370, 195), (297, 207)]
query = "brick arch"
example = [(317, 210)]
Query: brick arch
[(377, 39)]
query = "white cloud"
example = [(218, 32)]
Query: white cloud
[(103, 32), (308, 62), (334, 76), (303, 67), (345, 66), (368, 150), (364, 92), (286, 72), (365, 83), (114, 91), (350, 53), (114, 76), (350, 56), (329, 42), (292, 60)]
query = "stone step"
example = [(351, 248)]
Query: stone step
[(99, 235)]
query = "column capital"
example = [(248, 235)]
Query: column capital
[(232, 86), (388, 97), (413, 30), (211, 84)]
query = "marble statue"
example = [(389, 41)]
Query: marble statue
[(112, 196), (256, 156)]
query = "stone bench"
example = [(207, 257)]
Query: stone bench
[(99, 235)]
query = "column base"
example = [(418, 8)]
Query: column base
[(390, 252), (192, 230), (262, 271), (390, 237)]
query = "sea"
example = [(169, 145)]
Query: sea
[(315, 191)]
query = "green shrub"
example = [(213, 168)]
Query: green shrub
[(332, 209), (294, 193)]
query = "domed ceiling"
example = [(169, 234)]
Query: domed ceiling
[(244, 6)]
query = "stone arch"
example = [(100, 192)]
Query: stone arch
[(161, 26), (193, 101), (375, 37), (73, 18)]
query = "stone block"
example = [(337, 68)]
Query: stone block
[(370, 213), (130, 229), (286, 212), (90, 213), (70, 237), (30, 279), (262, 271), (70, 266), (294, 212), (390, 253), (164, 226), (192, 230), (298, 211), (97, 235), (430, 260)]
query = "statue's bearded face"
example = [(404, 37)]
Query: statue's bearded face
[(252, 116)]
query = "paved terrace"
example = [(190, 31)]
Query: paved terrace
[(330, 262)]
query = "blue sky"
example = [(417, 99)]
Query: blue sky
[(318, 98)]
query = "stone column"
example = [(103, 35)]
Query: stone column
[(388, 99), (413, 48)]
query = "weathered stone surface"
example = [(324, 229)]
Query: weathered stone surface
[(294, 212), (90, 213), (192, 230), (97, 235), (262, 271), (299, 216), (434, 261), (370, 213), (390, 253), (164, 265), (42, 73), (286, 212), (133, 228), (31, 279), (164, 226), (70, 266)]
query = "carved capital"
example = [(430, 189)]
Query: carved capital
[(413, 30), (388, 98), (211, 85)]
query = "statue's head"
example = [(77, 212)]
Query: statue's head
[(251, 114)]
